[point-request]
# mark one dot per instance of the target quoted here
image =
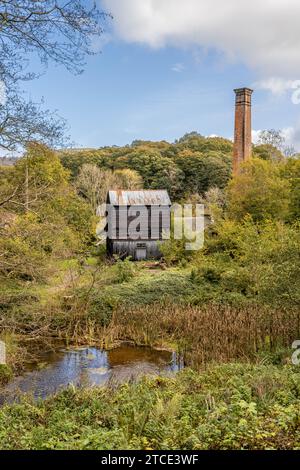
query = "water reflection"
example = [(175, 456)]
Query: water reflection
[(88, 367)]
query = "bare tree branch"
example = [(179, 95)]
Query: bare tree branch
[(62, 31), (9, 198)]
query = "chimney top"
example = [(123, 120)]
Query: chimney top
[(243, 90)]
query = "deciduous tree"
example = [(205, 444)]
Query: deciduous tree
[(54, 30), (259, 191)]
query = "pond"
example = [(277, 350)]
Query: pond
[(88, 367)]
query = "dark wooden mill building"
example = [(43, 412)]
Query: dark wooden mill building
[(137, 222)]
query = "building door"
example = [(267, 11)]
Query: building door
[(141, 252)]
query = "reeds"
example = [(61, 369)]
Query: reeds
[(211, 332)]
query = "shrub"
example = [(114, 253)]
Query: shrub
[(260, 261), (100, 308), (124, 270), (5, 374), (236, 279), (233, 406)]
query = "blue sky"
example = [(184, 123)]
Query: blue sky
[(160, 85)]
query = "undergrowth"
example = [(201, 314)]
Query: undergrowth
[(234, 406)]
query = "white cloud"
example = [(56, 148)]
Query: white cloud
[(255, 136), (178, 67), (262, 34), (276, 85), (279, 86), (291, 135)]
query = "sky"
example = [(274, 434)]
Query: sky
[(168, 67)]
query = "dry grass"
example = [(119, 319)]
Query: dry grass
[(209, 333)]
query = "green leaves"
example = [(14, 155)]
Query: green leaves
[(250, 407), (260, 192), (192, 164)]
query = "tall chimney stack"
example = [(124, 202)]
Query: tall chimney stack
[(243, 128)]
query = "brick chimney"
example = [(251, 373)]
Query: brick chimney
[(243, 128)]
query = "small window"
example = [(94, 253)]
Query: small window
[(141, 245)]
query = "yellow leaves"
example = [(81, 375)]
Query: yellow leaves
[(242, 423), (249, 408), (168, 410), (260, 191)]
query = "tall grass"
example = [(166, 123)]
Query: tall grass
[(211, 332)]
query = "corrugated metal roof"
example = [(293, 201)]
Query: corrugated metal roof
[(139, 198)]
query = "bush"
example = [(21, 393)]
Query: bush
[(210, 274), (173, 251), (260, 261), (5, 374), (124, 270), (237, 279), (100, 308)]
